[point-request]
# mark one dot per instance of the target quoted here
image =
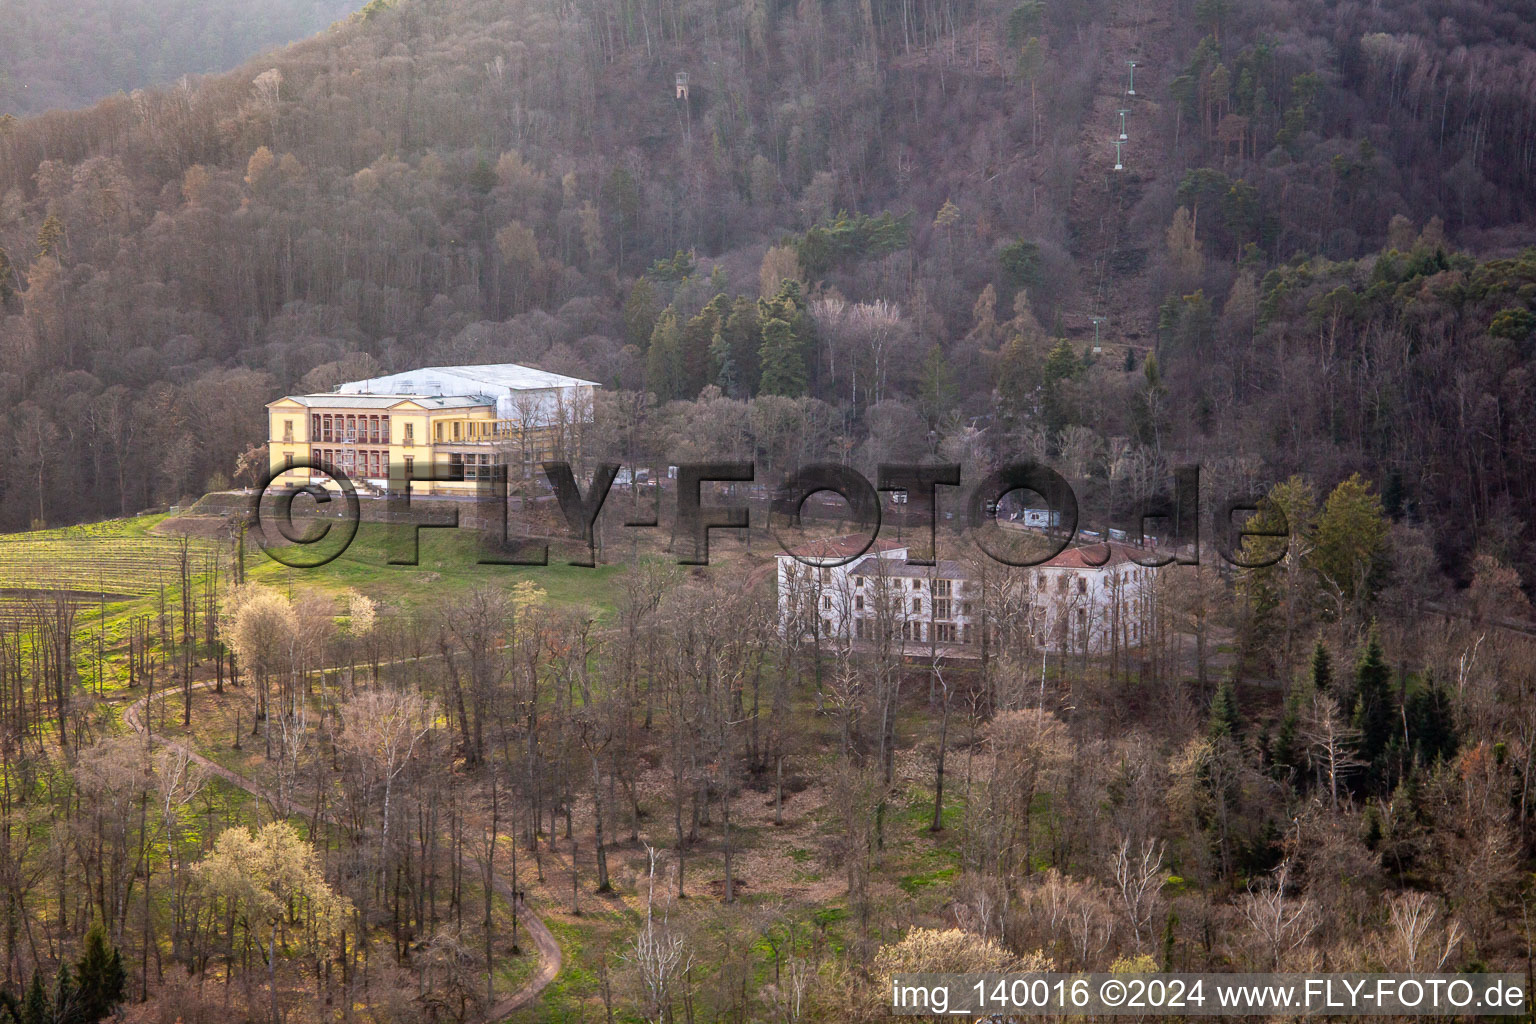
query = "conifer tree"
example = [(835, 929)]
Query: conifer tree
[(1432, 724), (663, 360), (1322, 667), (1225, 719), (102, 978), (1375, 710), (640, 312), (783, 362), (7, 280), (34, 1009), (50, 237), (66, 998), (743, 338), (1287, 752)]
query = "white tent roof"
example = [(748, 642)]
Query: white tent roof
[(491, 376)]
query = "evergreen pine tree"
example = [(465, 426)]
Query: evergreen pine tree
[(783, 362), (102, 978), (1375, 710), (723, 367), (696, 345), (1286, 752), (66, 998), (50, 237), (7, 281), (34, 1009), (640, 312), (1431, 723), (663, 360), (743, 337), (1225, 720), (1322, 667), (1373, 831)]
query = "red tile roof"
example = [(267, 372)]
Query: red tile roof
[(1088, 556)]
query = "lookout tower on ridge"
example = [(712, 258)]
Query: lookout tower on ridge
[(682, 85)]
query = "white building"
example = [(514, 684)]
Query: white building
[(1070, 604), (815, 588), (461, 421), (522, 393)]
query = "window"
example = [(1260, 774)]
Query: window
[(965, 608), (1061, 584), (351, 428), (288, 460), (410, 434), (859, 581), (826, 627), (826, 601), (288, 431), (314, 426), (917, 604), (410, 463), (315, 456), (941, 588), (917, 584), (861, 629), (944, 632), (965, 636), (325, 428), (941, 608), (1082, 585), (384, 428), (858, 602)]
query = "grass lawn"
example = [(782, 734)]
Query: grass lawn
[(447, 563)]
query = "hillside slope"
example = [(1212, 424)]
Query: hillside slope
[(67, 53), (458, 180)]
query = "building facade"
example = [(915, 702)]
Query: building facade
[(446, 426), (1068, 604)]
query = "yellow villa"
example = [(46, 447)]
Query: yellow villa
[(444, 426)]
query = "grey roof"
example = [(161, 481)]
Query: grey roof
[(947, 569), (335, 401), (511, 376)]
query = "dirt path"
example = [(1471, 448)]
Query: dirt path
[(549, 950)]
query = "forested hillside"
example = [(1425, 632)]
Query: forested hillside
[(900, 216), (68, 53), (462, 790)]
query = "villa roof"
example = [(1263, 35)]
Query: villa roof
[(1087, 556), (945, 569), (359, 401), (494, 376), (848, 546)]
